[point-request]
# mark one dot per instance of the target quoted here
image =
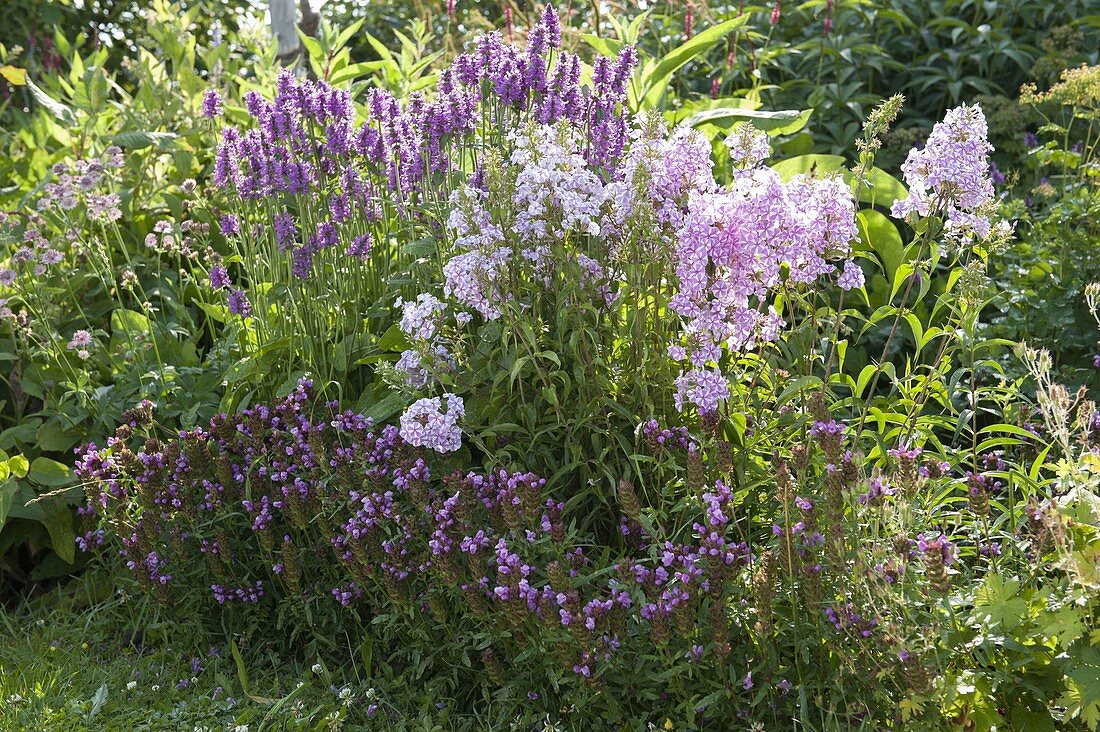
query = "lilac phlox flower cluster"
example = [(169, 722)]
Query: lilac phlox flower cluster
[(748, 146), (470, 277), (426, 423), (733, 246), (664, 170), (418, 369), (950, 176), (706, 388), (556, 193), (420, 318), (851, 277)]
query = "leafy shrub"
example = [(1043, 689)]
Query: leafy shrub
[(645, 473)]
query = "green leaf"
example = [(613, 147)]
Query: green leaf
[(655, 83), (51, 105), (22, 433), (603, 46), (7, 499), (59, 522), (18, 466), (98, 701), (366, 653), (52, 437), (881, 236), (48, 472), (347, 33), (384, 408), (883, 188), (142, 139), (16, 77), (779, 122), (354, 71), (393, 340), (419, 248)]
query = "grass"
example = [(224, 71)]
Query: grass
[(72, 663)]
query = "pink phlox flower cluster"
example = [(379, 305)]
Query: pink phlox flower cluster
[(731, 253), (426, 423), (706, 388), (470, 277), (420, 317), (556, 192), (748, 146), (470, 222), (851, 277), (950, 175), (664, 170)]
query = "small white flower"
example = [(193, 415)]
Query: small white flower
[(316, 668), (131, 686), (345, 693), (155, 688)]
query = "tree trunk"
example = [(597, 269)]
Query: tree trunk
[(284, 26)]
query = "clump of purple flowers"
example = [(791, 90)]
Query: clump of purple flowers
[(950, 175), (427, 423)]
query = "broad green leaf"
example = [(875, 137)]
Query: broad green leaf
[(883, 190), (52, 437), (780, 122), (59, 522), (7, 500), (603, 46), (354, 71), (655, 83), (48, 472), (18, 466), (386, 407), (881, 236), (54, 107)]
